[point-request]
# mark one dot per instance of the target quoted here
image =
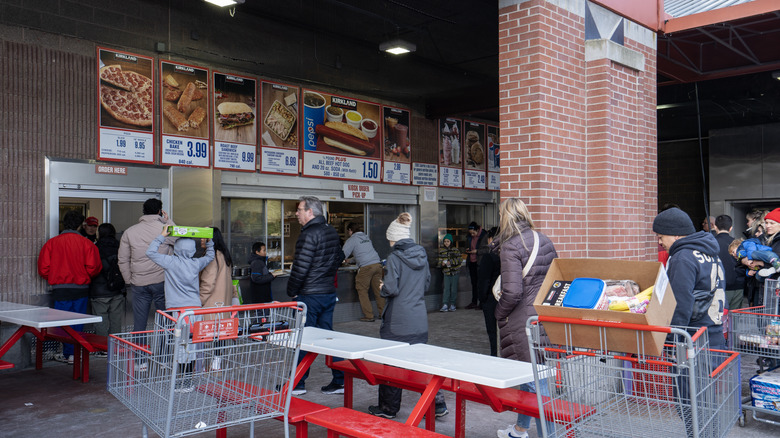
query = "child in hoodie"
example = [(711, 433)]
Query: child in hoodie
[(182, 287)]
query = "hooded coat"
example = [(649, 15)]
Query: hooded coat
[(517, 292), (182, 281), (405, 282), (260, 281), (137, 269), (317, 259), (698, 282)]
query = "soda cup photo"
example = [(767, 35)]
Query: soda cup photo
[(313, 115)]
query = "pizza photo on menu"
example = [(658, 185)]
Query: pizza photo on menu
[(126, 97)]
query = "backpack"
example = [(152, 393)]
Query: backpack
[(114, 280)]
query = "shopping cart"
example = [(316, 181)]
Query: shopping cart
[(689, 390), (756, 331), (205, 369)]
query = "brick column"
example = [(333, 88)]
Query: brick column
[(578, 131)]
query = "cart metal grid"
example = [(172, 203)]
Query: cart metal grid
[(756, 331), (691, 390), (205, 369)]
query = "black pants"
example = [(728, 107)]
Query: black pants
[(489, 310), (473, 274)]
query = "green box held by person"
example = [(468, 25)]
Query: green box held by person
[(197, 232)]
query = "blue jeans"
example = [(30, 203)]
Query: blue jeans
[(143, 296), (319, 313), (524, 421), (78, 305)]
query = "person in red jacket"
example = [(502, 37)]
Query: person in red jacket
[(68, 262)]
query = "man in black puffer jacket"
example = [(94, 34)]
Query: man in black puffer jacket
[(312, 278)]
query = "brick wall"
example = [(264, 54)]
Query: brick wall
[(46, 109), (577, 138)]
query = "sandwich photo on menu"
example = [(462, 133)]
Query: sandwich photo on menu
[(234, 114)]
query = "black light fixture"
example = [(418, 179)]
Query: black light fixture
[(397, 46)]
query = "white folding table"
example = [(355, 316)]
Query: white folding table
[(36, 320)]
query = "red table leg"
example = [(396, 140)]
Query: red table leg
[(425, 404)]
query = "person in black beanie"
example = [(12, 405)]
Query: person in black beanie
[(695, 274), (698, 283)]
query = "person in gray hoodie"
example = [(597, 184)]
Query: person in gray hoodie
[(182, 283), (405, 317), (182, 289)]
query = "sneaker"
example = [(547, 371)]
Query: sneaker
[(444, 308), (184, 385), (333, 388), (299, 390), (471, 306), (452, 307), (766, 272), (366, 319), (60, 358), (511, 432), (100, 354), (216, 363), (441, 411), (70, 360), (376, 410)]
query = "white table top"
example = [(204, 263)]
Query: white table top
[(344, 345), (481, 369), (44, 317), (5, 305)]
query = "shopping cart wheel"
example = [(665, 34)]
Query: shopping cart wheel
[(741, 420)]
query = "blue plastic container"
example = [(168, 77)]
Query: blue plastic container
[(584, 293)]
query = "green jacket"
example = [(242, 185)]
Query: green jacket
[(455, 258)]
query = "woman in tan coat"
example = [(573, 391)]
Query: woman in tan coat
[(216, 279)]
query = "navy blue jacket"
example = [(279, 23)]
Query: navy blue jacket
[(698, 282)]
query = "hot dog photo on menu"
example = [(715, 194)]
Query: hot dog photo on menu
[(338, 125)]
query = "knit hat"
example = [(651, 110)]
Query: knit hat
[(473, 226), (773, 215), (92, 220), (400, 228), (673, 222), (447, 237)]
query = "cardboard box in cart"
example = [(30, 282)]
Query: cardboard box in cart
[(645, 274)]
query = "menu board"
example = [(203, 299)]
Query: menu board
[(493, 165), (397, 151), (125, 93), (341, 137), (450, 153), (279, 128), (235, 132), (184, 100), (424, 174), (474, 152)]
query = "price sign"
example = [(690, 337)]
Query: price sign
[(184, 151), (340, 167), (397, 173), (450, 177), (494, 181), (475, 179), (232, 156), (424, 174), (275, 160), (126, 145)]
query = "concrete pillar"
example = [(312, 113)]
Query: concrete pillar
[(578, 125)]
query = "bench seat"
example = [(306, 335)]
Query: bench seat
[(355, 424), (6, 365), (80, 354)]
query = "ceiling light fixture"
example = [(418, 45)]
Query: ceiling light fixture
[(397, 47), (776, 75), (223, 3)]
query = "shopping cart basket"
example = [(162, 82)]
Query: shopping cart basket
[(689, 390), (205, 369), (756, 331)]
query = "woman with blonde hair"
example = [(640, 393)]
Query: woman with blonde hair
[(517, 240)]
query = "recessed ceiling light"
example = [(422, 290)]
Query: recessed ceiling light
[(222, 3), (397, 47)]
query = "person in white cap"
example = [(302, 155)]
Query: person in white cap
[(406, 317)]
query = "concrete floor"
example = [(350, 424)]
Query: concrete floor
[(48, 402)]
